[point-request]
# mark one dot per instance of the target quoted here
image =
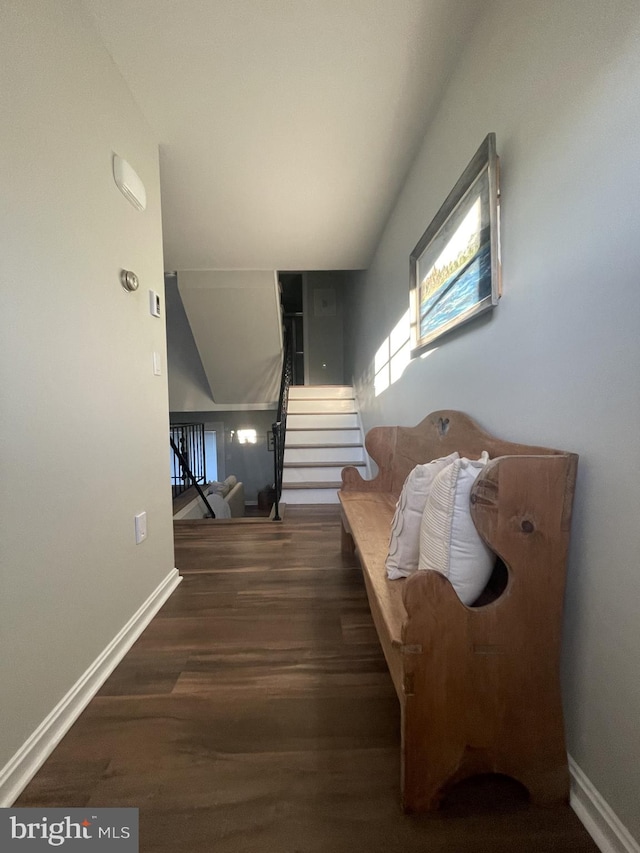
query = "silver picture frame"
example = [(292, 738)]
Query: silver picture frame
[(455, 268)]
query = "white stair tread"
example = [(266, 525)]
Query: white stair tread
[(317, 392), (324, 420), (327, 428), (321, 392), (309, 497), (337, 455), (324, 444), (330, 435), (321, 407), (309, 474), (312, 485), (317, 445), (324, 464)]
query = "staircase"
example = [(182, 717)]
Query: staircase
[(323, 437)]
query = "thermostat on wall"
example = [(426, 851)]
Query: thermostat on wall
[(154, 303)]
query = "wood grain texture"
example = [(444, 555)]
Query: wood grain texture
[(256, 714), (479, 687), (397, 450)]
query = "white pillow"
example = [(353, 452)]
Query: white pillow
[(220, 507), (449, 541), (404, 542), (216, 488)]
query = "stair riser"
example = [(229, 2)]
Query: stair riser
[(299, 407), (319, 415), (312, 475), (320, 392), (309, 496), (322, 436), (341, 455), (320, 421)]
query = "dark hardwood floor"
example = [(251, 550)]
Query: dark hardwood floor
[(256, 714)]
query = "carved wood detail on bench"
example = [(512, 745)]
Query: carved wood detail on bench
[(479, 686)]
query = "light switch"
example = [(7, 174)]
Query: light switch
[(154, 303), (157, 364), (141, 527)]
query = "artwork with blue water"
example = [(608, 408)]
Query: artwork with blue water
[(460, 293), (455, 266)]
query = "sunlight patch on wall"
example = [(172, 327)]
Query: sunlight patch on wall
[(393, 355)]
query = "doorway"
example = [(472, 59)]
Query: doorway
[(293, 319)]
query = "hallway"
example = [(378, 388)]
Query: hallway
[(256, 714)]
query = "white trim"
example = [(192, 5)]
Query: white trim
[(367, 458), (21, 768), (187, 511), (597, 816), (305, 327), (599, 819), (278, 295)]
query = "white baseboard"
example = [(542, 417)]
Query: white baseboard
[(21, 768), (597, 816), (599, 819)]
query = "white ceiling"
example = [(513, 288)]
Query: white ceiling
[(285, 126)]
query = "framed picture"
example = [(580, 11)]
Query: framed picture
[(455, 268), (324, 302)]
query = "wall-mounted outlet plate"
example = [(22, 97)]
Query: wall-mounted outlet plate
[(141, 527)]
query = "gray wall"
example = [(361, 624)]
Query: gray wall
[(251, 463), (558, 361), (83, 418), (323, 330), (236, 322), (188, 383), (243, 356)]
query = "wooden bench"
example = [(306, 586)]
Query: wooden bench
[(478, 686)]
